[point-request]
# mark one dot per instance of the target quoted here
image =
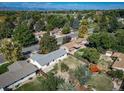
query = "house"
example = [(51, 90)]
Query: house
[(119, 63), (74, 45), (43, 61), (55, 32), (18, 73), (28, 50), (38, 35)]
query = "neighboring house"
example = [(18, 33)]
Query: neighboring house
[(119, 63), (73, 35), (43, 61), (28, 50), (74, 45), (1, 59), (38, 35), (18, 73), (55, 32)]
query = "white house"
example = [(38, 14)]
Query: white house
[(18, 73), (43, 61)]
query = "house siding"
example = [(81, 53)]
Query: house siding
[(20, 82)]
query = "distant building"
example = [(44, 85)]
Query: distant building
[(38, 35)]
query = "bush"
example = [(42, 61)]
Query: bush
[(90, 54), (51, 83), (116, 74), (64, 67), (3, 68)]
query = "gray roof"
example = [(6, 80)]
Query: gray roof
[(47, 58), (31, 48), (72, 35), (1, 59), (16, 72)]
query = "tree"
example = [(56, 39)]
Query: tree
[(66, 87), (102, 40), (91, 54), (5, 32), (103, 24), (51, 83), (39, 25), (48, 44), (11, 50), (116, 74), (23, 35), (66, 29), (82, 74), (64, 67), (83, 29)]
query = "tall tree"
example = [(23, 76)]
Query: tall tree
[(11, 50), (5, 31), (66, 29), (23, 35), (83, 29), (48, 44), (82, 74)]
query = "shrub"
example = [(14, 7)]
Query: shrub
[(64, 67)]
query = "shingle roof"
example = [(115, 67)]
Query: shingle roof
[(47, 58), (31, 48), (120, 62), (20, 72)]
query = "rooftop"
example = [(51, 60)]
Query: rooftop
[(44, 59), (119, 63), (16, 72)]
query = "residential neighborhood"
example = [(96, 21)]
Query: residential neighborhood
[(74, 50)]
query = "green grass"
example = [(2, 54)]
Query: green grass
[(34, 85), (72, 62), (101, 82), (104, 65), (3, 67)]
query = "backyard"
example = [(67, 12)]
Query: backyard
[(100, 82), (36, 84)]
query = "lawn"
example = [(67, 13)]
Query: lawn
[(3, 67), (100, 82), (31, 86), (72, 62), (104, 65)]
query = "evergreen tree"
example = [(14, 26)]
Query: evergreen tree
[(48, 44), (23, 35), (83, 29)]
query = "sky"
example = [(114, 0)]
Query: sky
[(61, 5)]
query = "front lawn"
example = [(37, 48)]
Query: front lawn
[(100, 82), (3, 67), (31, 86)]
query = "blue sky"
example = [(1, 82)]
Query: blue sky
[(61, 5)]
